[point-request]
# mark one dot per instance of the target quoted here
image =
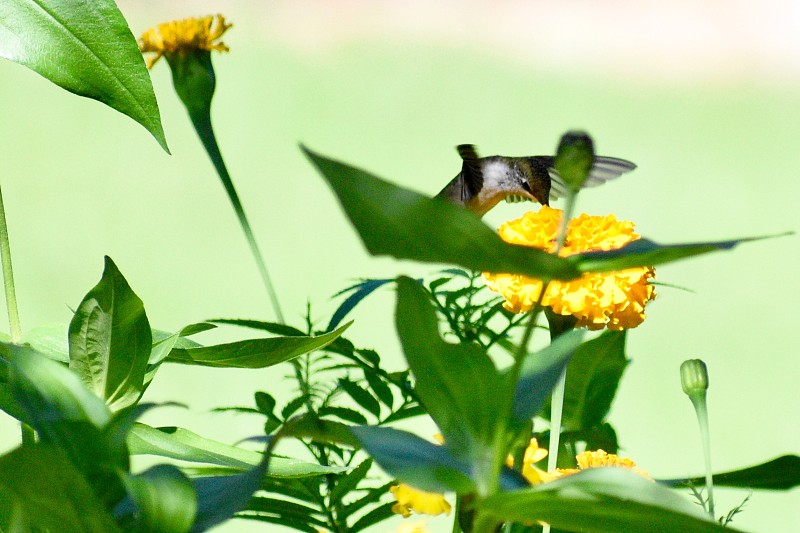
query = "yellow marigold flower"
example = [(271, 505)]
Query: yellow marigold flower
[(615, 300), (600, 458), (182, 36), (413, 527), (411, 499)]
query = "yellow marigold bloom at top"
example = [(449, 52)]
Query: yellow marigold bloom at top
[(411, 499), (615, 300), (180, 36)]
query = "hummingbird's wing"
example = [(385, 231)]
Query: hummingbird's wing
[(603, 170), (471, 172)]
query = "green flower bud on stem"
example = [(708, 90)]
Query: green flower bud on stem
[(574, 158), (694, 381)]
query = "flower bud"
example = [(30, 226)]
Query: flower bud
[(694, 377), (574, 158)]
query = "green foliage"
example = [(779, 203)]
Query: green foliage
[(87, 49), (110, 340)]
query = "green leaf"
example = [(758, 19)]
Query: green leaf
[(644, 252), (379, 514), (164, 499), (348, 415), (414, 460), (593, 375), (253, 353), (539, 373), (361, 396), (110, 340), (457, 383), (218, 498), (50, 340), (182, 444), (350, 481), (86, 48), (404, 224), (782, 473), (602, 500), (41, 489), (379, 387)]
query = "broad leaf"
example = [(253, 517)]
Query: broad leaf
[(457, 383), (782, 473), (161, 499), (182, 444), (539, 374), (602, 500), (414, 460), (40, 489), (402, 223), (50, 340), (86, 48), (253, 353), (110, 340), (218, 498), (646, 252), (593, 375)]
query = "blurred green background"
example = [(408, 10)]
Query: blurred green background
[(706, 103)]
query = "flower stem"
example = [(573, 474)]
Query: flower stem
[(699, 402), (202, 124), (8, 277), (557, 399)]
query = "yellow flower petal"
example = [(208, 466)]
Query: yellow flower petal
[(411, 499), (182, 36), (613, 300)]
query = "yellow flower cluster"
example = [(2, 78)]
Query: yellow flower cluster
[(615, 300), (180, 36), (411, 499)]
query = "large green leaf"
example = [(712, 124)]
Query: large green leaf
[(110, 340), (253, 353), (84, 47), (602, 500), (457, 383), (540, 372), (646, 252), (593, 375), (402, 223), (40, 489), (414, 460), (395, 221), (218, 498), (161, 499), (182, 444), (782, 473)]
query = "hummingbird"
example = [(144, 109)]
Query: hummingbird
[(484, 181)]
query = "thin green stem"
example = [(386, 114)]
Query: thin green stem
[(557, 400), (699, 402), (8, 277), (202, 125)]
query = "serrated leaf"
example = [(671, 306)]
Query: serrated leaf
[(361, 396), (348, 482), (379, 387), (253, 353), (349, 415), (360, 291), (86, 48), (110, 340), (404, 224)]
